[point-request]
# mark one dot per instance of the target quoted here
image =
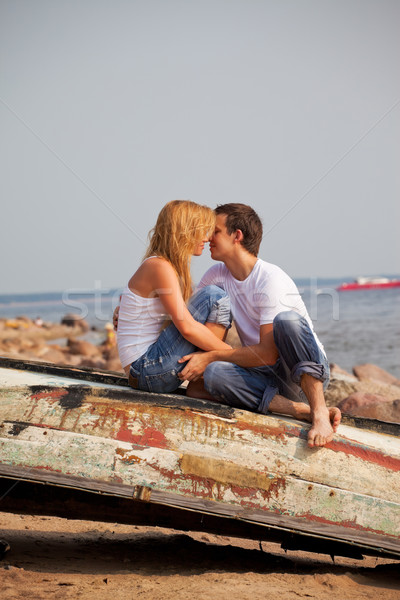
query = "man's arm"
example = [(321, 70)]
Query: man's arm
[(262, 354)]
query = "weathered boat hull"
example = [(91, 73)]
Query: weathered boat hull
[(105, 450)]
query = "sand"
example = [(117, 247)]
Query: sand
[(58, 558)]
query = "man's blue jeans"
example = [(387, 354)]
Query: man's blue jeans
[(254, 388), (158, 368)]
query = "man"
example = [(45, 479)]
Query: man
[(281, 356)]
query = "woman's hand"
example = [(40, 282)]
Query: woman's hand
[(115, 318), (196, 365)]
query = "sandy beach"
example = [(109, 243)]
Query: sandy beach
[(58, 558)]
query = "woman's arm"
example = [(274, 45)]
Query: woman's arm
[(165, 283)]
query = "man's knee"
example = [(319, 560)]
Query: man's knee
[(211, 304), (287, 322), (220, 306), (287, 318)]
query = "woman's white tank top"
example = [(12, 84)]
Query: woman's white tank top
[(140, 321)]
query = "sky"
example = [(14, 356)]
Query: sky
[(108, 110)]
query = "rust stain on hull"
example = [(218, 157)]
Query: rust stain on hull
[(128, 457), (150, 437), (365, 453), (225, 473), (348, 524)]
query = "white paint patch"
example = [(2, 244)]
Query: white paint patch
[(17, 378)]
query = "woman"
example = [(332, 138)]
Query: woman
[(159, 290)]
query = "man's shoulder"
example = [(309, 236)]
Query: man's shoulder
[(270, 273), (265, 268)]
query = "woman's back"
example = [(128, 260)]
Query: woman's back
[(143, 282), (141, 314)]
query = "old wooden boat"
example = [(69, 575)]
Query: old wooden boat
[(79, 443)]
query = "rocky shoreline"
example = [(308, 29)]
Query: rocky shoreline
[(368, 392), (62, 344)]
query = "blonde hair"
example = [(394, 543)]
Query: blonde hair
[(180, 227)]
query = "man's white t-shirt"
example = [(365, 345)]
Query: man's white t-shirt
[(257, 300)]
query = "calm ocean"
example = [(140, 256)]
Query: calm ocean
[(355, 326)]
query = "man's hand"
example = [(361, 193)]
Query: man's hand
[(115, 318), (196, 365)]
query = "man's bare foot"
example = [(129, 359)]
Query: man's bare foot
[(335, 416), (302, 411), (323, 423), (321, 431)]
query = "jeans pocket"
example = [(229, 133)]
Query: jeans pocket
[(135, 368), (134, 372), (162, 382)]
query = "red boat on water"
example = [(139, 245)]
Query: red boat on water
[(368, 283)]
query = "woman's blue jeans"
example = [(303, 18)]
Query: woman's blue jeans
[(254, 388), (158, 368)]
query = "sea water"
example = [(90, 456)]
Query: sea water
[(354, 326)]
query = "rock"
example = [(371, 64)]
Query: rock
[(340, 374), (25, 318), (114, 364), (72, 320), (27, 344), (83, 348), (40, 349), (374, 373), (72, 359), (384, 411), (53, 355), (372, 406), (98, 363), (358, 401), (109, 353), (10, 345), (338, 390)]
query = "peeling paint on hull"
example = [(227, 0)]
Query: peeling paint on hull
[(201, 456)]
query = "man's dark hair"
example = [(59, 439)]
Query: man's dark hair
[(245, 218)]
